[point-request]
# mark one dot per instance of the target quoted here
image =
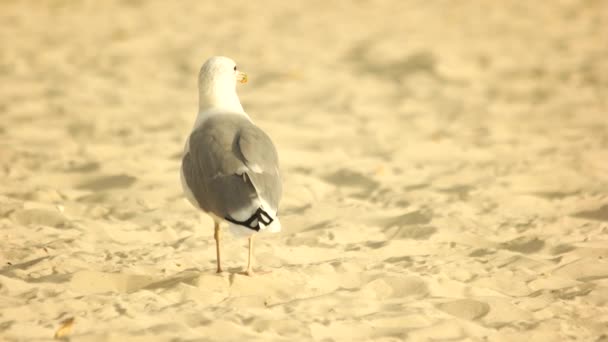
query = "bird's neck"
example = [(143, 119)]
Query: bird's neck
[(214, 101), (213, 98), (219, 96)]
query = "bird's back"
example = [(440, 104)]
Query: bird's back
[(231, 169)]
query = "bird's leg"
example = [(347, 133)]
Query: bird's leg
[(249, 261), (216, 235)]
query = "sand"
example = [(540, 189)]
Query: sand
[(445, 171)]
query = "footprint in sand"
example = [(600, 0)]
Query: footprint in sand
[(412, 225), (465, 308), (108, 182), (40, 217), (397, 287), (524, 244), (600, 214), (97, 282), (349, 178)]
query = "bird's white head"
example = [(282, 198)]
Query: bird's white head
[(217, 82)]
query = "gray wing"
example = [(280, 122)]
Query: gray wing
[(231, 163), (260, 156)]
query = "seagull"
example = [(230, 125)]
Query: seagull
[(230, 167)]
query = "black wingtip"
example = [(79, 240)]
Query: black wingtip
[(259, 216)]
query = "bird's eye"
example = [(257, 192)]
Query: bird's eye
[(235, 68)]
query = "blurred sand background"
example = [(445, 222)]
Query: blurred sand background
[(445, 167)]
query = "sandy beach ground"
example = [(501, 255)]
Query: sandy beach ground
[(445, 171)]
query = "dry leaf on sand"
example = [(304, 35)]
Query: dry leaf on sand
[(65, 328)]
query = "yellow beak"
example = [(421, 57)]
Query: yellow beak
[(241, 77)]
